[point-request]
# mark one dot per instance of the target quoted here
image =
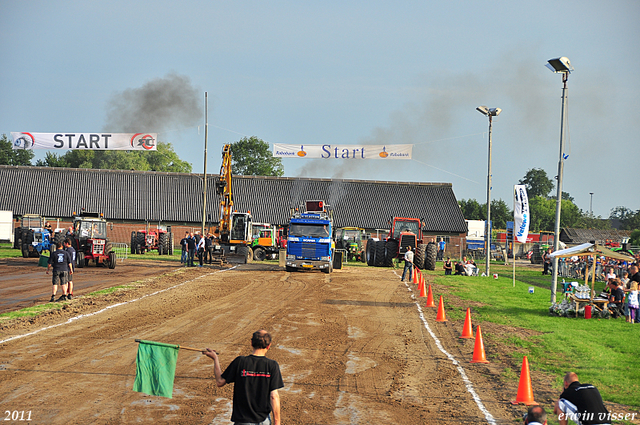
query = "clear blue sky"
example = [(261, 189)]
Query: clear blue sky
[(348, 73)]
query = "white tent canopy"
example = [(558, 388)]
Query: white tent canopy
[(587, 249)]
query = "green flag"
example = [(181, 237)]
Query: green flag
[(155, 368)]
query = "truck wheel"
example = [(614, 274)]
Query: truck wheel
[(245, 251), (112, 260), (391, 251), (259, 254), (419, 256), (290, 269), (337, 260), (380, 250), (80, 260), (432, 254)]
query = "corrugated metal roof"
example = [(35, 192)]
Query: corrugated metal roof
[(177, 197), (580, 236)]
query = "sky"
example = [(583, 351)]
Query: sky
[(348, 73)]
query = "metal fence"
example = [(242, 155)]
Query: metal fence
[(121, 250)]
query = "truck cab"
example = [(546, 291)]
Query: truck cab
[(310, 244)]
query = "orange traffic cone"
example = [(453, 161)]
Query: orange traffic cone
[(415, 275), (430, 302), (420, 282), (423, 293), (525, 392), (467, 330), (478, 349), (441, 317), (421, 279)]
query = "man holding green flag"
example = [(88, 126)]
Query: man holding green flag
[(257, 380)]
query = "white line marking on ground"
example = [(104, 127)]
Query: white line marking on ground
[(467, 382), (82, 316)]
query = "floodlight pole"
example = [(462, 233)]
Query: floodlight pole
[(487, 231), (556, 235), (204, 186)]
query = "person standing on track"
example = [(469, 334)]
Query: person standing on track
[(191, 249), (408, 264), (201, 248), (72, 254), (183, 244), (60, 261), (257, 380)]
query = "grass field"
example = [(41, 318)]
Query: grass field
[(602, 352)]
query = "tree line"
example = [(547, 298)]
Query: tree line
[(542, 209)]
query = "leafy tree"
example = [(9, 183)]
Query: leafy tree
[(252, 157), (629, 219), (543, 214), (10, 156), (500, 214), (634, 239), (163, 159), (537, 183), (589, 222), (472, 210)]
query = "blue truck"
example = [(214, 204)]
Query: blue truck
[(310, 242)]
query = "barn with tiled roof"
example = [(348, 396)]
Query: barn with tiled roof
[(176, 198)]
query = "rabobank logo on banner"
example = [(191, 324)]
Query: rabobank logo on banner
[(350, 152)]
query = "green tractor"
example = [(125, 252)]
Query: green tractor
[(351, 240)]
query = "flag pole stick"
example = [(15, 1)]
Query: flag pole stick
[(182, 347)]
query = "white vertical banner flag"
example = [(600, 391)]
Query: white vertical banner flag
[(521, 216)]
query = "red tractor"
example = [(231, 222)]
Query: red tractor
[(152, 239), (404, 232), (90, 241)]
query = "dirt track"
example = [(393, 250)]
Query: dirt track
[(351, 346), (24, 284)]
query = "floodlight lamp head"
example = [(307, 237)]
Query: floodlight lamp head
[(483, 110), (560, 65)]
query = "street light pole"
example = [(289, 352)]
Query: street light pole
[(493, 112), (591, 204), (487, 230), (562, 66)]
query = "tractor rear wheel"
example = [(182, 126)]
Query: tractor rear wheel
[(259, 254), (133, 243), (391, 251), (140, 243), (380, 249), (112, 260), (17, 238), (162, 243), (80, 260), (25, 250), (370, 252), (419, 255), (170, 243), (430, 259)]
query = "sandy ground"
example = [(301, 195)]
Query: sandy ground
[(355, 347)]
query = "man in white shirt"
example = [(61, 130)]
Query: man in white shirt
[(408, 264)]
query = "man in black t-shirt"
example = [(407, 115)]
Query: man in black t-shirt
[(616, 298), (60, 262), (191, 249), (580, 403), (72, 254), (257, 381)]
